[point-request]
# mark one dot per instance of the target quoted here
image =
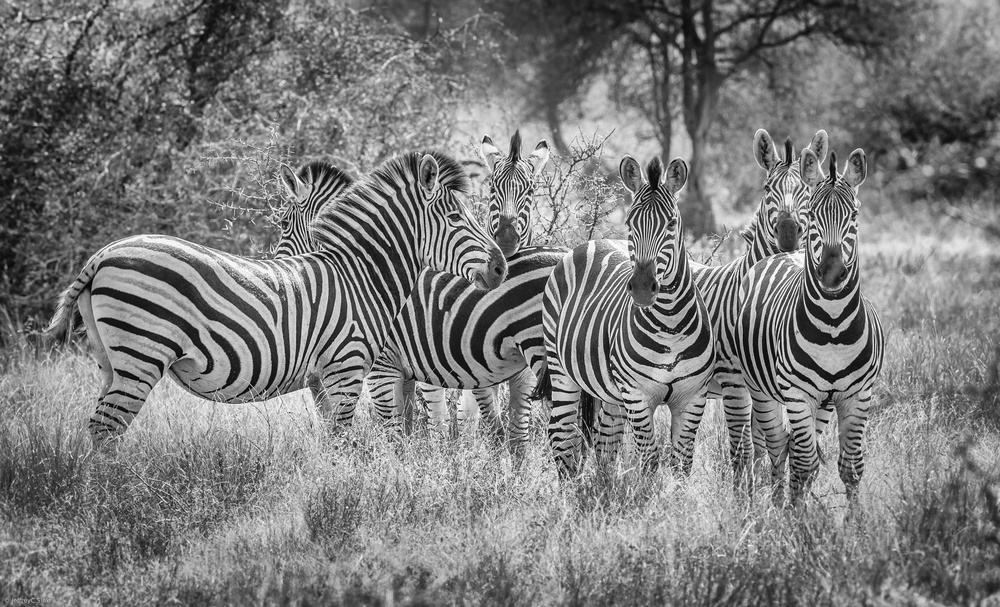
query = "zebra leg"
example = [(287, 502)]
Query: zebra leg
[(803, 457), (435, 408), (119, 405), (610, 432), (484, 401), (385, 387), (852, 417), (739, 410), (519, 409), (769, 417), (684, 422), (640, 416), (336, 396), (565, 437)]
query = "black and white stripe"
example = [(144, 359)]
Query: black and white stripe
[(776, 227), (806, 338), (234, 329), (626, 325)]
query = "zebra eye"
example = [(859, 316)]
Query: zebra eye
[(454, 217)]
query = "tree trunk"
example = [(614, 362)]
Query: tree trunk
[(701, 86), (554, 120)]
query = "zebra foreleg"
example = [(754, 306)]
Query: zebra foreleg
[(385, 387), (519, 408), (639, 413), (738, 410), (852, 416), (435, 408), (769, 417), (684, 422), (610, 432), (803, 456), (565, 437), (336, 397)]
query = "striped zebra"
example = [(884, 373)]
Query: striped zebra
[(316, 184), (807, 340), (776, 227), (626, 325), (234, 329), (512, 191)]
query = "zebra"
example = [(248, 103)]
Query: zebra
[(316, 184), (625, 323), (806, 338), (233, 329), (776, 227), (512, 187)]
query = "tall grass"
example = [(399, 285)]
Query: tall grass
[(262, 504)]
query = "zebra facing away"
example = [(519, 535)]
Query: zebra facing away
[(236, 330), (627, 326), (512, 189), (776, 227), (807, 340), (315, 185)]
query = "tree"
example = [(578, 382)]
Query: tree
[(671, 58)]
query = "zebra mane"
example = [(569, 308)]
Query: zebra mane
[(789, 151), (327, 174), (748, 233), (515, 147), (331, 226), (833, 168), (654, 171)]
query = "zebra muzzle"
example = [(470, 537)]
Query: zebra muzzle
[(493, 273), (831, 272), (788, 232), (643, 287), (507, 237)]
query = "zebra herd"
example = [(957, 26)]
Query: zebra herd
[(389, 278)]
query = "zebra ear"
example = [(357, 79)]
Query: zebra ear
[(820, 144), (809, 170), (676, 175), (539, 157), (763, 150), (857, 168), (293, 185), (427, 175), (630, 173), (489, 152)]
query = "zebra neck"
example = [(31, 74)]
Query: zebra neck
[(670, 313), (832, 313), (380, 268)]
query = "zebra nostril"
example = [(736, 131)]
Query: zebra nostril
[(497, 270)]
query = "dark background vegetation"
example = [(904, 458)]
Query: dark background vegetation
[(118, 118)]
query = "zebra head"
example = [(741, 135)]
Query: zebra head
[(781, 217), (832, 233), (654, 225), (512, 188), (449, 238), (316, 184)]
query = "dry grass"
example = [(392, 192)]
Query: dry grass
[(207, 503)]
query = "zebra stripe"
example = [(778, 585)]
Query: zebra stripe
[(322, 182), (808, 340), (775, 228), (512, 189), (450, 335), (235, 330), (626, 325)]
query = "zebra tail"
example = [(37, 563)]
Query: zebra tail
[(543, 388), (588, 416), (61, 325)]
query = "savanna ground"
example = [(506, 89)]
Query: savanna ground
[(208, 503)]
